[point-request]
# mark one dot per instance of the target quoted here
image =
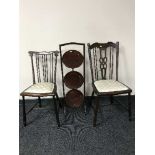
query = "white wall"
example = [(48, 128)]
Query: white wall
[(44, 24)]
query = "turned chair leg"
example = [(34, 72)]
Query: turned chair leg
[(95, 111), (56, 111), (60, 103), (85, 107), (129, 106), (91, 99), (39, 99), (24, 113), (89, 103)]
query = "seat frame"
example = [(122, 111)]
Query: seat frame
[(41, 59), (102, 47)]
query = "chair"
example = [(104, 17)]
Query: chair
[(72, 56), (104, 70), (44, 67)]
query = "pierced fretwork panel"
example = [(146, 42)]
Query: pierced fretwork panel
[(44, 66), (103, 60)]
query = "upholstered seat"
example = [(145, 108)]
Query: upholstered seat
[(109, 86), (45, 87)]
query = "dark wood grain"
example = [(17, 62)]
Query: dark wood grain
[(74, 98), (72, 59), (73, 80)]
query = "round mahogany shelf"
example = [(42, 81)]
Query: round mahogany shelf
[(74, 98), (72, 59), (73, 80)]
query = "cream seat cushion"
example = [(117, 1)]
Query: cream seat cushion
[(109, 86), (45, 87)]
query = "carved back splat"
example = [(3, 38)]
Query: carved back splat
[(44, 66), (104, 60)]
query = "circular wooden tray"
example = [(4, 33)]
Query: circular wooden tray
[(72, 59), (74, 98), (73, 80)]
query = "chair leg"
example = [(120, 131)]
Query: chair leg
[(89, 104), (56, 111), (39, 102), (95, 111), (60, 103), (64, 106), (92, 95), (129, 106), (111, 99), (24, 113)]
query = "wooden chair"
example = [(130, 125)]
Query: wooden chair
[(104, 70), (44, 67)]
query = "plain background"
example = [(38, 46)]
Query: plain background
[(9, 113), (44, 24)]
